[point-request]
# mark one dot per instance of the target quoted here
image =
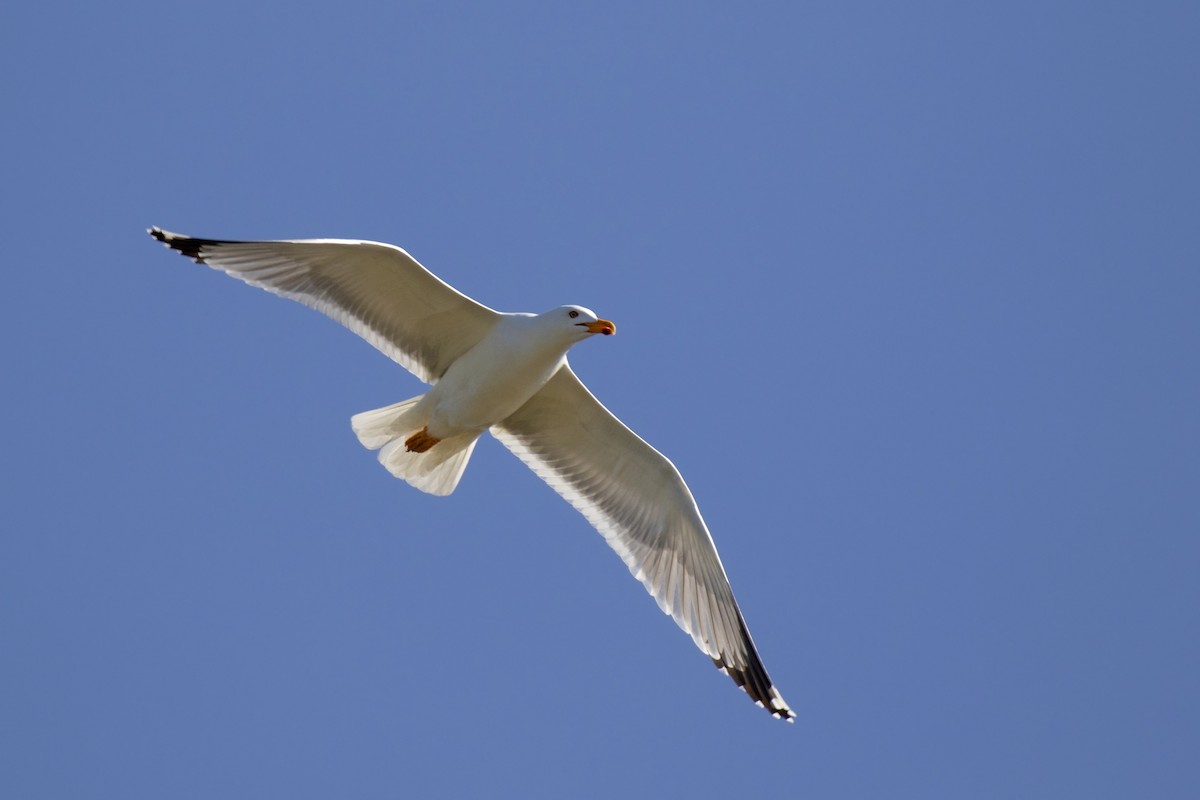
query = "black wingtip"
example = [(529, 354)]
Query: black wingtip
[(184, 244), (752, 677), (755, 682)]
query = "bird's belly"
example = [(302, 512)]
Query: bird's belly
[(483, 388)]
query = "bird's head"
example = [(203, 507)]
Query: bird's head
[(582, 321)]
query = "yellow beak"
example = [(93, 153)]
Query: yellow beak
[(599, 326)]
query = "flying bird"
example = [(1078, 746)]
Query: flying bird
[(508, 373)]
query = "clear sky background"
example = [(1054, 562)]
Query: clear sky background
[(908, 291)]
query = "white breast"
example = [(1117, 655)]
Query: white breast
[(495, 378)]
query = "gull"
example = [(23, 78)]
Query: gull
[(507, 373)]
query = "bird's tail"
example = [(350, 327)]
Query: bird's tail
[(437, 470)]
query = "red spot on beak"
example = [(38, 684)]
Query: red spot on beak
[(599, 326)]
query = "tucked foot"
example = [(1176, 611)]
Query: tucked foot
[(420, 441)]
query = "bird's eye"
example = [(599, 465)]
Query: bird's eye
[(572, 314)]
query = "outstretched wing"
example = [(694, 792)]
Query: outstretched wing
[(376, 290), (636, 498)]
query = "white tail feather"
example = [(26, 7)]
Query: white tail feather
[(436, 471), (380, 426)]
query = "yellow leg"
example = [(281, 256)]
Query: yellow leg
[(420, 441)]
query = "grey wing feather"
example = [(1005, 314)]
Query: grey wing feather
[(376, 290), (638, 501)]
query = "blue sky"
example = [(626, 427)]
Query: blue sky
[(907, 291)]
